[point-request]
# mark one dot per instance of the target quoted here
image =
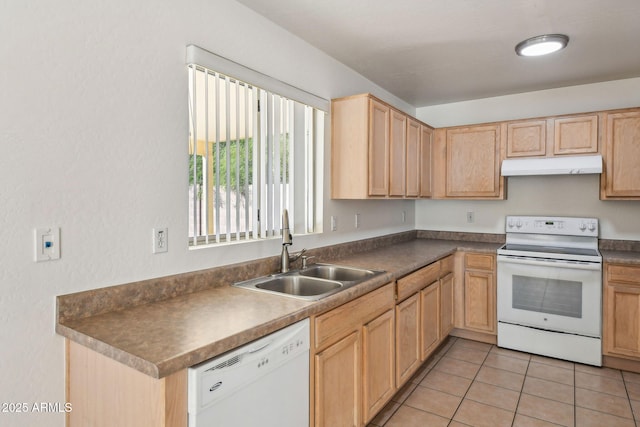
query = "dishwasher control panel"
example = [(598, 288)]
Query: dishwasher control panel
[(235, 370)]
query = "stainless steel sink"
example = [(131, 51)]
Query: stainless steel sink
[(299, 285), (337, 272), (313, 283)]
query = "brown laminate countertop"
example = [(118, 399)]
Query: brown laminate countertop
[(621, 257), (163, 337)]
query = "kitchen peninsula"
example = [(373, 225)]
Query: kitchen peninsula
[(161, 327)]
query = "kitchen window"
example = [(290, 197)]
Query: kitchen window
[(255, 148)]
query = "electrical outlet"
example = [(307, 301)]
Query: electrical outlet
[(404, 216), (357, 220), (334, 223), (470, 216), (160, 240)]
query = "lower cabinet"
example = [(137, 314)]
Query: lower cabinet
[(407, 337), (378, 379), (337, 383), (353, 360), (424, 315), (621, 311), (429, 319), (446, 305), (479, 292)]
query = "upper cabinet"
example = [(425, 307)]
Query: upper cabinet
[(413, 160), (360, 146), (397, 154), (425, 164), (468, 162), (376, 140), (554, 136), (380, 152), (377, 151), (575, 135), (621, 152), (527, 138)]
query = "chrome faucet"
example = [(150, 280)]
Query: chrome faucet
[(287, 240)]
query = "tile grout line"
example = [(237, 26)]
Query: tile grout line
[(633, 413), (626, 390), (521, 390), (468, 388), (437, 359), (574, 369), (575, 397), (628, 398)]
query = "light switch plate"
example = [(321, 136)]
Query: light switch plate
[(47, 244)]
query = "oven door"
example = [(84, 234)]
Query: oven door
[(554, 295)]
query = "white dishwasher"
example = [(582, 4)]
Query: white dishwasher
[(264, 383)]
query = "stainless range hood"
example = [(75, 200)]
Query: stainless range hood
[(567, 165)]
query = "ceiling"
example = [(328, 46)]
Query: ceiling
[(430, 52)]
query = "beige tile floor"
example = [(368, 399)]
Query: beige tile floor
[(468, 383)]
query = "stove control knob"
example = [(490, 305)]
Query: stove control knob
[(510, 223), (583, 226), (592, 226), (519, 224)]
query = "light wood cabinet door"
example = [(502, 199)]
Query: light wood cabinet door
[(527, 138), (413, 159), (378, 381), (473, 162), (429, 319), (397, 154), (479, 290), (622, 320), (407, 338), (338, 384), (621, 176), (426, 142), (621, 311), (378, 148), (354, 362), (446, 305), (576, 135), (350, 148), (479, 301)]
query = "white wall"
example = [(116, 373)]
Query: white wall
[(550, 195), (93, 130), (93, 139)]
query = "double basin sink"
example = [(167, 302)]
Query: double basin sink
[(312, 283)]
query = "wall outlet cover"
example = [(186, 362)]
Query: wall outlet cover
[(160, 240)]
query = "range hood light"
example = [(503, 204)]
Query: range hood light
[(542, 45)]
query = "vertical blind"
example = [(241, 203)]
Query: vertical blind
[(246, 145)]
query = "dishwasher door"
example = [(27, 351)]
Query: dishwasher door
[(264, 383)]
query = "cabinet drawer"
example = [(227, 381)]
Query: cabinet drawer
[(417, 280), (446, 265), (479, 261), (623, 274), (337, 323)]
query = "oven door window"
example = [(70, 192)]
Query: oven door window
[(550, 296)]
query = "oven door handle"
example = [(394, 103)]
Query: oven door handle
[(576, 265)]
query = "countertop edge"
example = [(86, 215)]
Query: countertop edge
[(162, 368), (620, 257)]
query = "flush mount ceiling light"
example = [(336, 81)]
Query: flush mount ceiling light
[(542, 45)]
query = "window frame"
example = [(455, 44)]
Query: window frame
[(319, 107)]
